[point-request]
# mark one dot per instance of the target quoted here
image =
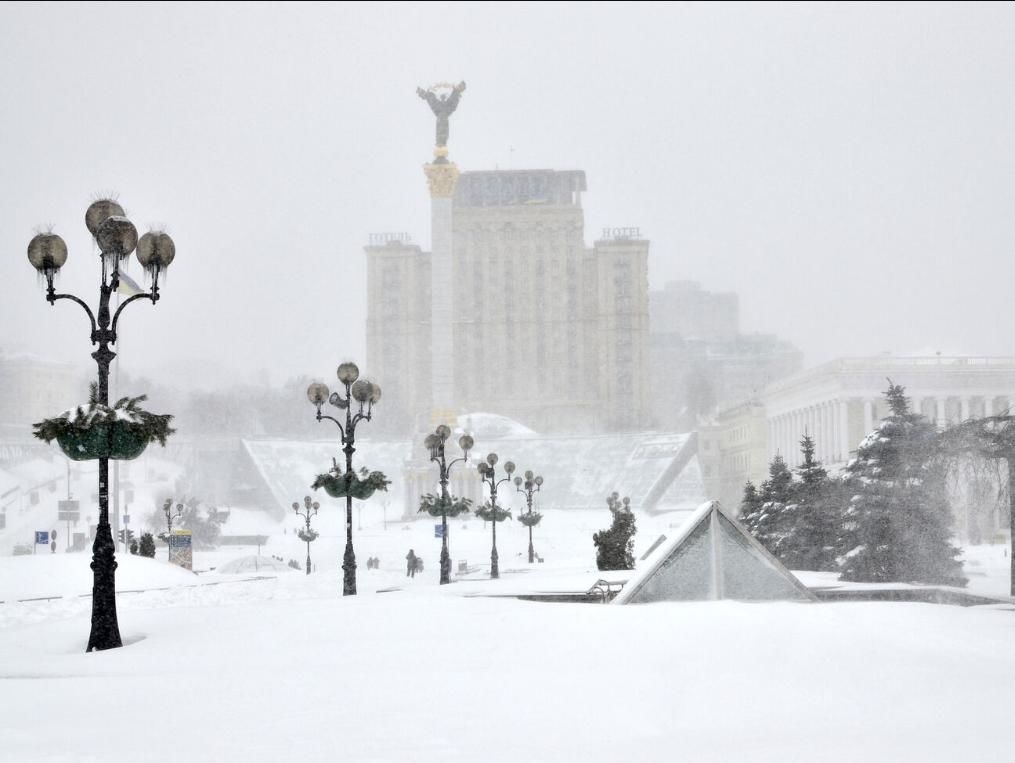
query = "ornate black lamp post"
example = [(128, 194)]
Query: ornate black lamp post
[(365, 394), (307, 535), (168, 511), (116, 237), (487, 473), (528, 487), (435, 443)]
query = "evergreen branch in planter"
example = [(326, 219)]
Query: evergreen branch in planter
[(435, 506), (488, 513), (339, 484), (530, 519), (96, 430)]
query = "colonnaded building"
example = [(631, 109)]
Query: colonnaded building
[(837, 404), (511, 312)]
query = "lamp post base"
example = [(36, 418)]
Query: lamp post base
[(349, 571), (445, 555), (494, 568), (445, 565), (105, 633)]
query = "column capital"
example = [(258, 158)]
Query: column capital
[(442, 179)]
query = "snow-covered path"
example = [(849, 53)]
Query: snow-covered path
[(286, 669)]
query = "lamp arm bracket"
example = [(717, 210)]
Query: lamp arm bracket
[(116, 315), (321, 416), (52, 296)]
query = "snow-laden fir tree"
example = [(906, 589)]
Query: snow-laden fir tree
[(750, 504), (763, 514), (809, 521), (898, 519), (147, 546), (615, 545)]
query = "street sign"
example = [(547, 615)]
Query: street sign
[(42, 536), (68, 511), (438, 531), (180, 551)]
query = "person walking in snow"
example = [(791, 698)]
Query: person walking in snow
[(410, 560)]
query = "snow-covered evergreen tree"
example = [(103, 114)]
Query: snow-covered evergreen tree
[(750, 504), (763, 517), (809, 521), (615, 545), (147, 546), (898, 519)]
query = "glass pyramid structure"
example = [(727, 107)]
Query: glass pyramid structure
[(713, 557)]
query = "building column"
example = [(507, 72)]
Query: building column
[(868, 417), (828, 411), (939, 417), (833, 442), (844, 430), (822, 432), (988, 405), (964, 408), (790, 426), (798, 427)]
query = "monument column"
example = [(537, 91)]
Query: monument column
[(441, 177)]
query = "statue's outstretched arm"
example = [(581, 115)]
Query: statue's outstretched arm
[(460, 87), (421, 93)]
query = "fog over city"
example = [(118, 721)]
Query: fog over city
[(846, 170), (507, 382)]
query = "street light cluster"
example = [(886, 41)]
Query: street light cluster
[(117, 239), (447, 506), (365, 394), (488, 474), (307, 535), (435, 443), (531, 485)]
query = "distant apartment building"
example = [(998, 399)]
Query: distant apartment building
[(684, 308), (699, 359), (545, 329)]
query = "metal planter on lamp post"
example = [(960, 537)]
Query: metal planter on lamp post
[(116, 238)]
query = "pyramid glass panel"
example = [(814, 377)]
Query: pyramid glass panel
[(748, 574), (686, 575)]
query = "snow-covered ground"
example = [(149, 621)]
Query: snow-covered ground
[(278, 666)]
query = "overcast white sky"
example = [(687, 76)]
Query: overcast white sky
[(848, 170)]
